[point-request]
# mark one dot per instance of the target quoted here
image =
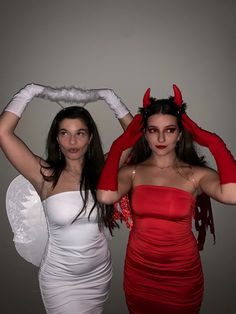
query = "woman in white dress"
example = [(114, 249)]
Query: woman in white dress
[(75, 272)]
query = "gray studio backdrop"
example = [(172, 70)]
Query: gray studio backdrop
[(127, 46)]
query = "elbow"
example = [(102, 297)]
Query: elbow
[(105, 197)]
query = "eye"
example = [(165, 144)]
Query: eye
[(82, 133), (63, 133), (171, 130), (152, 130)]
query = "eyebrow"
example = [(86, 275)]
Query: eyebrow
[(82, 129), (167, 126)]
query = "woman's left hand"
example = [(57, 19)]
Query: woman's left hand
[(201, 136)]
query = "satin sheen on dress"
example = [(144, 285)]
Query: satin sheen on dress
[(76, 270), (163, 273)]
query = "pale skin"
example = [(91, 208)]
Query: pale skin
[(163, 168), (73, 139)]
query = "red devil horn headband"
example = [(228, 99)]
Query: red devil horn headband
[(146, 98), (177, 96)]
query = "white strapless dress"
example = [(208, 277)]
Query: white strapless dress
[(75, 272)]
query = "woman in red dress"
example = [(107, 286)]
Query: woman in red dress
[(163, 272)]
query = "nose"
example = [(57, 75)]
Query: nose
[(161, 137), (72, 139)]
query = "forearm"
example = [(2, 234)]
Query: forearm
[(116, 105), (21, 99), (225, 162), (108, 180), (124, 184), (125, 121), (15, 108)]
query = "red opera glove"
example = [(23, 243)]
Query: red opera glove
[(225, 162), (108, 178)]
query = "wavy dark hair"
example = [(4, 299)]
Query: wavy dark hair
[(185, 149), (93, 162)]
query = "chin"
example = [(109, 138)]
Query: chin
[(162, 152), (75, 157)]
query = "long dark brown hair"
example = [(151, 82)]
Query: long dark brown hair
[(93, 162)]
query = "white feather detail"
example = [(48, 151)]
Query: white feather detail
[(70, 94)]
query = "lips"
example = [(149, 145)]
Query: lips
[(73, 150), (161, 146)]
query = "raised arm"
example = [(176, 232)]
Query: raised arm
[(14, 148), (120, 110), (111, 187), (221, 186)]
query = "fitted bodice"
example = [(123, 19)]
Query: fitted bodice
[(162, 202), (61, 210), (162, 213)]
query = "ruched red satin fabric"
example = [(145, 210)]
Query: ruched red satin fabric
[(163, 273)]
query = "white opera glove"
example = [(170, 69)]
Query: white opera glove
[(70, 94), (20, 100), (113, 101)]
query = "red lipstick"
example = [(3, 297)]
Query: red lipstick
[(161, 146)]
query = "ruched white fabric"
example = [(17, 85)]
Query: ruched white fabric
[(76, 271)]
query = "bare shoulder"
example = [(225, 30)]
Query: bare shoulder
[(203, 172), (127, 170)]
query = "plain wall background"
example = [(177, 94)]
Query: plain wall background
[(127, 46)]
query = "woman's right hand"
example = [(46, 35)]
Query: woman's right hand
[(113, 101), (20, 100), (13, 147)]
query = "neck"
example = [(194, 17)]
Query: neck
[(163, 162), (74, 166)]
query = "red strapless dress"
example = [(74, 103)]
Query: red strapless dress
[(163, 273)]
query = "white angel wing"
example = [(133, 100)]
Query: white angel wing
[(27, 220)]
